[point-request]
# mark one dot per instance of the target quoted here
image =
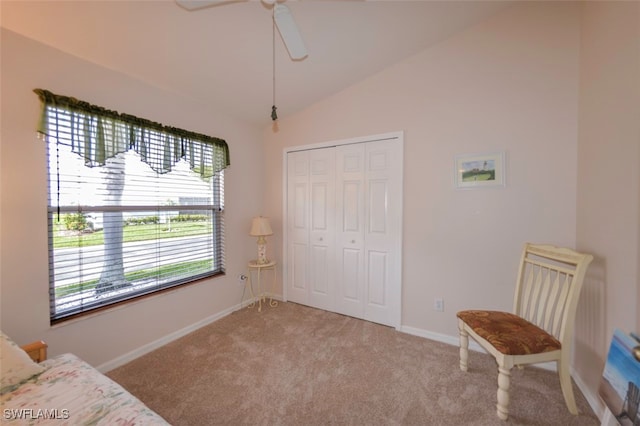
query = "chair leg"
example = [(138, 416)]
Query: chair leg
[(566, 385), (504, 380), (464, 348)]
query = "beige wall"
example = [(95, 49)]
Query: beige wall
[(608, 213), (23, 226), (526, 81), (508, 84)]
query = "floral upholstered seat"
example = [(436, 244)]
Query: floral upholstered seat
[(508, 333)]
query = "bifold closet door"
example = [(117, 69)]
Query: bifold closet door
[(368, 230), (350, 211), (344, 227), (311, 227)]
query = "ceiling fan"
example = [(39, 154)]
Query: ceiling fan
[(282, 18)]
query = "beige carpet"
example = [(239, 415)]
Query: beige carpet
[(294, 365)]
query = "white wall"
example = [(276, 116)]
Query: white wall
[(24, 300), (608, 214), (509, 83)]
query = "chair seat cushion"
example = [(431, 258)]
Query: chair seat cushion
[(509, 333)]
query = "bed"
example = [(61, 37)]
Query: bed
[(63, 390)]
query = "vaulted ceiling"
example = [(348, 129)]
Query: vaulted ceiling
[(223, 55)]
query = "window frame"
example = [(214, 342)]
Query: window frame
[(215, 210)]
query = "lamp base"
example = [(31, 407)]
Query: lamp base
[(262, 251)]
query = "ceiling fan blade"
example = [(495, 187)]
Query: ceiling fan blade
[(201, 4), (289, 31)]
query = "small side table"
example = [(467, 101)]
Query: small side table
[(253, 266)]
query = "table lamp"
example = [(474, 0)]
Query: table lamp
[(260, 228)]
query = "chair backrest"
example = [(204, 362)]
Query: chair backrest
[(549, 283)]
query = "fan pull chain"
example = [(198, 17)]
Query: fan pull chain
[(274, 115)]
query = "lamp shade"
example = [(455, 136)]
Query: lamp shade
[(260, 226)]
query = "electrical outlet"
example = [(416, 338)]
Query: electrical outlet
[(438, 304), (242, 278)]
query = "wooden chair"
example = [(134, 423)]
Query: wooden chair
[(540, 329)]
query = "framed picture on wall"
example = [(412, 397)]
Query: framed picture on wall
[(480, 170)]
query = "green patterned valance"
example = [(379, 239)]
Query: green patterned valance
[(97, 134)]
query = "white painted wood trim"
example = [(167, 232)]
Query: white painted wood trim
[(285, 233), (438, 337), (598, 407)]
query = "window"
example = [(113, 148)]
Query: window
[(134, 207)]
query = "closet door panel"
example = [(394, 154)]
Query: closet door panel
[(299, 268), (300, 207), (319, 273), (350, 198), (298, 226), (350, 290), (383, 228), (322, 229), (377, 207), (377, 264), (351, 209)]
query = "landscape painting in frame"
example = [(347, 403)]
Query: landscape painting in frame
[(480, 170), (620, 384)]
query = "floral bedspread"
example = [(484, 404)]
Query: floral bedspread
[(71, 392)]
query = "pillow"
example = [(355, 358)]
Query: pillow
[(16, 366)]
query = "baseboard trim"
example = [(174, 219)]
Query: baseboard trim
[(145, 349), (598, 407), (439, 337)]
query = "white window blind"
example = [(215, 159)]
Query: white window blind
[(122, 230)]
